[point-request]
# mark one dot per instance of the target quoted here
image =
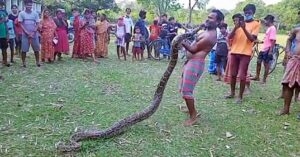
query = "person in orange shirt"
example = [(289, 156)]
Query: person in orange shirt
[(154, 31), (242, 36)]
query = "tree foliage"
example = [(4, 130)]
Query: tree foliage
[(160, 6), (196, 4)]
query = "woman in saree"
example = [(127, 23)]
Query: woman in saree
[(102, 30), (48, 33)]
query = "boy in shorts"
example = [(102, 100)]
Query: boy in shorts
[(3, 33), (29, 22)]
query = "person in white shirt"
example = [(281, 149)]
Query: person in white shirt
[(129, 26)]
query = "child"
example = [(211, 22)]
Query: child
[(120, 34), (3, 33), (221, 51), (154, 31), (12, 36), (137, 47)]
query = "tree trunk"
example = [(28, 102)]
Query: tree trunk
[(190, 12)]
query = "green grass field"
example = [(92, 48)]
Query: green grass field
[(41, 106)]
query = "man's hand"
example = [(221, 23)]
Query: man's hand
[(242, 24)]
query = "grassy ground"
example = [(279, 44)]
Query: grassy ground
[(40, 106)]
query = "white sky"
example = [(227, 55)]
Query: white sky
[(227, 4), (222, 4)]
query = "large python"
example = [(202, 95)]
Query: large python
[(120, 126)]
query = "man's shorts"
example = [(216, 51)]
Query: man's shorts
[(128, 37), (264, 57), (221, 60), (3, 43), (35, 44)]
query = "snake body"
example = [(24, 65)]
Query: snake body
[(127, 122)]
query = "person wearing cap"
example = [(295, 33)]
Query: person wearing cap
[(266, 54)]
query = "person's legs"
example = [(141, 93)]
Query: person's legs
[(37, 58), (59, 56), (266, 73), (36, 48), (118, 51), (258, 67), (23, 57), (123, 50), (234, 63), (192, 72), (190, 103), (219, 67), (4, 57), (3, 47), (243, 69), (297, 91), (288, 94), (12, 49)]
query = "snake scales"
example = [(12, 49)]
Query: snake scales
[(118, 127)]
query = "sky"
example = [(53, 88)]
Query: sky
[(227, 4)]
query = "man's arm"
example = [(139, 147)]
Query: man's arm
[(232, 33), (249, 36), (197, 46)]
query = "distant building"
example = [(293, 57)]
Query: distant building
[(36, 6)]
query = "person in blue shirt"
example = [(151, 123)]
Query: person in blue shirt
[(11, 36), (144, 31)]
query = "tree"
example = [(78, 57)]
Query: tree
[(81, 4), (160, 6), (200, 4)]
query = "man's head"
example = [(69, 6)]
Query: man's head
[(249, 12), (128, 11), (214, 19), (28, 5), (155, 22), (172, 20), (46, 13), (237, 18), (164, 17), (137, 30), (223, 28), (142, 14), (75, 12), (14, 9), (94, 13), (87, 13), (269, 20), (59, 14), (103, 17)]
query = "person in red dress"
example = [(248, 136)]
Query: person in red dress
[(62, 33), (47, 30), (87, 44)]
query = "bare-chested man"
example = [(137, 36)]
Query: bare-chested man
[(195, 64), (291, 78)]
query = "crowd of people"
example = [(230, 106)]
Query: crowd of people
[(230, 51), (231, 55)]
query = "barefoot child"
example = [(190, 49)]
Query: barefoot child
[(222, 51), (4, 36), (137, 47), (120, 34), (195, 64), (291, 78)]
